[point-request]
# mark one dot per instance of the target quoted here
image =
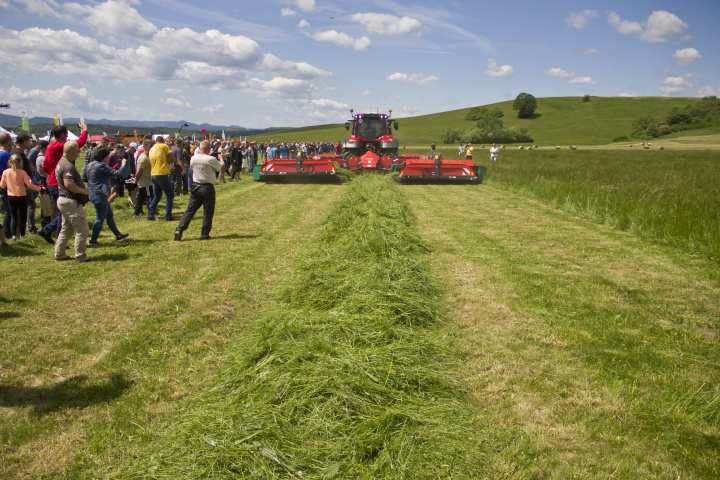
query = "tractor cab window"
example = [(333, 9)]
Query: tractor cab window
[(371, 128)]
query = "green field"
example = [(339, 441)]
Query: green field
[(560, 320), (560, 121)]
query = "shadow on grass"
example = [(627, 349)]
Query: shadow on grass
[(19, 249), (75, 393), (109, 257), (230, 236), (237, 236), (6, 314)]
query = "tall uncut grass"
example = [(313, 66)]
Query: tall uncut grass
[(670, 197), (348, 372)]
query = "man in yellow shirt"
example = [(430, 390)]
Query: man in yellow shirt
[(468, 151), (160, 158)]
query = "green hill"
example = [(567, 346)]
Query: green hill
[(559, 121)]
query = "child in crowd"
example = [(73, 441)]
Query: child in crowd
[(15, 179)]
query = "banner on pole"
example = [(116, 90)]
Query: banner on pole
[(24, 119)]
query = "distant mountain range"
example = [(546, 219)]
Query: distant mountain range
[(12, 121)]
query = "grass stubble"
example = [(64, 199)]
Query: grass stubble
[(94, 357), (593, 353), (348, 372), (585, 352)]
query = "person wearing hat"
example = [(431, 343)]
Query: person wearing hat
[(468, 151)]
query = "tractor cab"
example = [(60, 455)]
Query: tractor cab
[(370, 132)]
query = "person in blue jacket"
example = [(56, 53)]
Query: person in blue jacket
[(98, 175)]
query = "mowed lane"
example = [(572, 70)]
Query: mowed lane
[(96, 353), (591, 352)]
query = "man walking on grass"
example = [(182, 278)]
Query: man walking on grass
[(204, 168), (74, 222), (160, 159)]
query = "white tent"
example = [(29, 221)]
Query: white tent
[(2, 130)]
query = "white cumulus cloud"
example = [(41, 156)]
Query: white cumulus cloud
[(494, 70), (113, 18), (709, 91), (687, 56), (385, 24), (219, 108), (303, 24), (624, 27), (659, 27), (342, 40), (174, 102), (287, 12), (580, 20), (65, 98), (416, 78), (569, 76), (675, 85), (590, 52), (305, 5)]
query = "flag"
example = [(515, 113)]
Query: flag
[(58, 119), (223, 134), (24, 120)]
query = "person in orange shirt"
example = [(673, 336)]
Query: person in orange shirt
[(15, 179)]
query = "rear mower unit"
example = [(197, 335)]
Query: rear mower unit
[(276, 169), (436, 169)]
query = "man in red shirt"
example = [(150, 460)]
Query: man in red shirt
[(53, 154)]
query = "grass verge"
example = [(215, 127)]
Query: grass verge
[(347, 373), (593, 352), (667, 196)]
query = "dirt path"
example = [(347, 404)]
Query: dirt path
[(582, 341)]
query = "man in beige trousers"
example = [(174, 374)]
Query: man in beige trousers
[(70, 185)]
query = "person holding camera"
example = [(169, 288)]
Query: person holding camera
[(72, 195)]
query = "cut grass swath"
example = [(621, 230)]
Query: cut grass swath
[(348, 373)]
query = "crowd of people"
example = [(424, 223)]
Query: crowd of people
[(149, 170)]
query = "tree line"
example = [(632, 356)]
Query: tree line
[(489, 127), (700, 114)]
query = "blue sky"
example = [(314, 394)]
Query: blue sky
[(307, 62)]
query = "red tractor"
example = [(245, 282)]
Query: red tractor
[(371, 145)]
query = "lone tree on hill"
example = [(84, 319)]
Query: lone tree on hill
[(525, 104)]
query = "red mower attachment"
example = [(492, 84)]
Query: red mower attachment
[(316, 166), (423, 167), (369, 161)]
